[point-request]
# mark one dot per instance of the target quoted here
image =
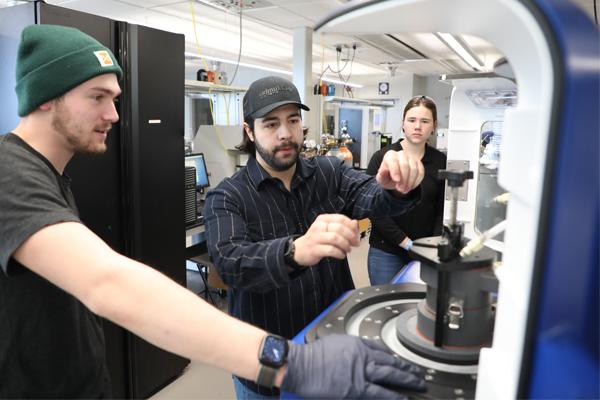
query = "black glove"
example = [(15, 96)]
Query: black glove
[(342, 366)]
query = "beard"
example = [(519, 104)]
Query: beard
[(75, 134), (270, 157)]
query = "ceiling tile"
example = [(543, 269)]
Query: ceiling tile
[(314, 11), (268, 33), (152, 3)]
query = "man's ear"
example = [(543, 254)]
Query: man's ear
[(249, 131), (45, 106)]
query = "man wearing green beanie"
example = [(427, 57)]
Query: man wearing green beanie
[(57, 276), (53, 60)]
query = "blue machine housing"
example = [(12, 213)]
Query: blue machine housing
[(562, 344)]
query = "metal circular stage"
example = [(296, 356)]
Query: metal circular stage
[(373, 313)]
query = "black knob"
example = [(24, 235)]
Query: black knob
[(455, 178)]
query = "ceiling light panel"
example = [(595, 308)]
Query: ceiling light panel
[(460, 48), (427, 43), (487, 52)]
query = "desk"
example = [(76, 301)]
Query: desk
[(196, 251), (195, 242), (195, 246)]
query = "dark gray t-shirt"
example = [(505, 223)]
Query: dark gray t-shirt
[(51, 345)]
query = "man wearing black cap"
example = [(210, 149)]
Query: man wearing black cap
[(56, 274), (279, 229)]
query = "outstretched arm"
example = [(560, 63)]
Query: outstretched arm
[(139, 298), (400, 172), (157, 309), (385, 226)]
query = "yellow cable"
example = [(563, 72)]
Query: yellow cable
[(322, 58), (212, 112), (323, 116), (193, 12)]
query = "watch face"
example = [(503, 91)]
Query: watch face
[(274, 351)]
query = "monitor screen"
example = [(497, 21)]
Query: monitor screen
[(197, 161)]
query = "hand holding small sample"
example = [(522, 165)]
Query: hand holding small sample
[(330, 235)]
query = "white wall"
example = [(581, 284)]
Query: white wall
[(401, 90), (439, 92)]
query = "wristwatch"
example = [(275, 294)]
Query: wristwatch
[(272, 355), (288, 255)]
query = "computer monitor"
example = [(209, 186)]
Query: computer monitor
[(196, 160)]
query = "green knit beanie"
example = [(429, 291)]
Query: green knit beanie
[(53, 60)]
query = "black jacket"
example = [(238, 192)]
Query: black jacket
[(423, 220)]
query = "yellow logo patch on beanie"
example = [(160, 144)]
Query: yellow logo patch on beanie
[(104, 58)]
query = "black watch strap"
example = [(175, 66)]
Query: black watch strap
[(289, 252), (266, 376)]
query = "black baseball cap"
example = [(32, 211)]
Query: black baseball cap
[(266, 94)]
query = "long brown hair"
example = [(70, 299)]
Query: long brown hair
[(247, 146), (424, 101)]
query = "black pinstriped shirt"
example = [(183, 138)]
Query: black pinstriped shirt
[(250, 216)]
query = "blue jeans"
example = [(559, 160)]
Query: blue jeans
[(383, 266), (243, 393)]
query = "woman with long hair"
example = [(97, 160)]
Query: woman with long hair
[(391, 238)]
